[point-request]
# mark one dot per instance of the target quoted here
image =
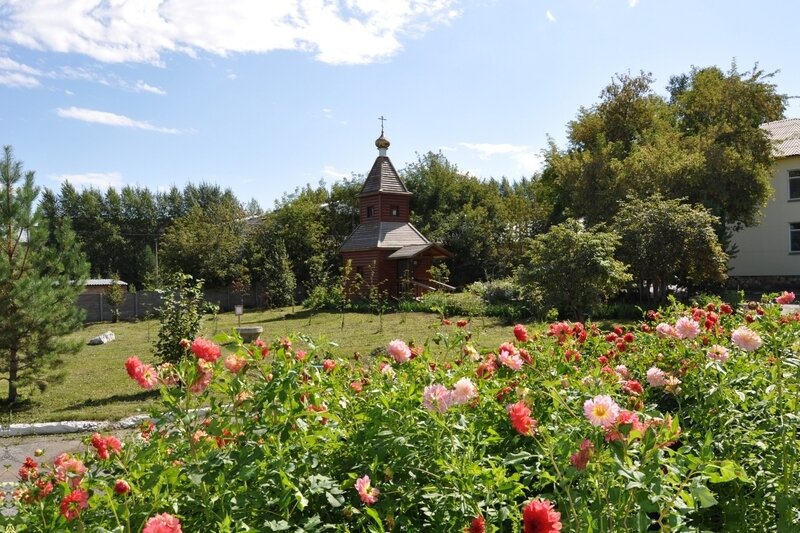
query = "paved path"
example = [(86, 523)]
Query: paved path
[(14, 450)]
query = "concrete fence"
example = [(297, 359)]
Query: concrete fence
[(144, 304)]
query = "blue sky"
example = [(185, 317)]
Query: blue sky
[(264, 96)]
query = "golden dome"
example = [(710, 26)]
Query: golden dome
[(382, 142)]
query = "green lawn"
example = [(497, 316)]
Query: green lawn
[(96, 386)]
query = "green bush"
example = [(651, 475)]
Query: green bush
[(182, 308)]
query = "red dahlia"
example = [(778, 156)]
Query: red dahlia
[(540, 517)]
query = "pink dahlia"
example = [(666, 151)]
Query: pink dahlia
[(746, 339), (785, 298), (163, 523), (687, 328), (510, 359), (399, 350), (667, 331), (656, 377), (520, 416), (718, 353), (463, 391), (601, 411), (539, 516), (367, 493), (205, 349), (69, 469), (436, 398)]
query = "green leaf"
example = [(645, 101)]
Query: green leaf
[(704, 496), (375, 516)]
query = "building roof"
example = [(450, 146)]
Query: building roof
[(408, 252), (785, 135), (386, 235), (102, 282), (383, 178)]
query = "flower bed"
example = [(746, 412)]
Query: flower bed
[(689, 421)]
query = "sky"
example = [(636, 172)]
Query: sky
[(265, 96)]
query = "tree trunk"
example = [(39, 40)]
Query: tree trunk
[(13, 368)]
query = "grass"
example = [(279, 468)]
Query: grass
[(96, 386)]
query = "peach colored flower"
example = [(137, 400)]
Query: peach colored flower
[(746, 339), (687, 328), (463, 391), (234, 363), (69, 469), (367, 493), (785, 298), (656, 377), (163, 523), (718, 353), (667, 331)]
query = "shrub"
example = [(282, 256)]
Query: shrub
[(573, 269), (685, 422), (182, 308)]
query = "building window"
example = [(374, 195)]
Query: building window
[(794, 185), (370, 212), (395, 209), (794, 237)]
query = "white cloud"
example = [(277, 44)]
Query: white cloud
[(110, 119), (335, 31), (142, 87), (526, 159), (487, 150), (550, 16), (231, 76), (529, 161), (331, 172), (14, 74), (632, 3), (327, 112), (99, 180)]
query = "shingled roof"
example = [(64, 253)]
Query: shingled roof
[(383, 178), (785, 135), (386, 235)]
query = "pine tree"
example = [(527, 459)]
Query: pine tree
[(41, 275)]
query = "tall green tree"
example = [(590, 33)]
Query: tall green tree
[(206, 243), (484, 223), (41, 275), (268, 264), (669, 242), (719, 114), (704, 144)]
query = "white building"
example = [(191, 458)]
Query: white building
[(769, 254)]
